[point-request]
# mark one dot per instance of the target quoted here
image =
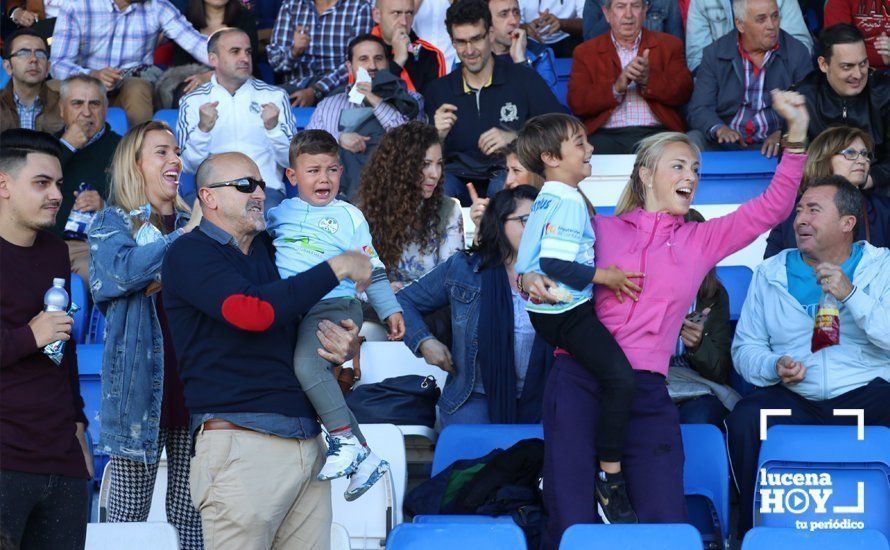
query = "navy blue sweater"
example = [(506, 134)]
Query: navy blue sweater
[(516, 94), (233, 321)]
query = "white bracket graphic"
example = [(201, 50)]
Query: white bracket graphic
[(860, 420), (766, 413), (860, 502)]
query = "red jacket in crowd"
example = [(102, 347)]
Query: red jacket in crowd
[(869, 16), (595, 68)]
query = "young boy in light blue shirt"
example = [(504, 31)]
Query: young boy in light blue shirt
[(558, 242), (308, 230)]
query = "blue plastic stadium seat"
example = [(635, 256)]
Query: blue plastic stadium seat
[(775, 538), (620, 537), (302, 115), (733, 177), (169, 116), (79, 297), (441, 536), (89, 366), (96, 334), (706, 474), (267, 74), (461, 519), (706, 471), (117, 119), (563, 66), (816, 451), (461, 441), (4, 78), (187, 187), (736, 279)]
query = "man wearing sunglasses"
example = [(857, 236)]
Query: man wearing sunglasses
[(26, 101), (233, 321)]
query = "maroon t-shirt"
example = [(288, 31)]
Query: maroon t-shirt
[(39, 400), (173, 411)]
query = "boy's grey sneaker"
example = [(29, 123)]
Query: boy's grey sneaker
[(366, 475), (344, 456)]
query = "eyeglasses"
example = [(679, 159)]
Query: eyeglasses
[(521, 219), (464, 44), (245, 185), (25, 53), (854, 154)]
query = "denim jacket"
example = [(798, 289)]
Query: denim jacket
[(133, 358), (456, 282)]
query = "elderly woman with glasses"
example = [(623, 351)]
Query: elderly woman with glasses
[(143, 408), (849, 152)]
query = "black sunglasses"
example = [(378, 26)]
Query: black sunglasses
[(245, 185)]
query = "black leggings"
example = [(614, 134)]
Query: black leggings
[(43, 511), (580, 332)]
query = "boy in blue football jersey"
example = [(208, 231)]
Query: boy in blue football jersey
[(308, 230), (558, 242)]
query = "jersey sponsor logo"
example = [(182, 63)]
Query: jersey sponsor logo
[(329, 224), (551, 229), (305, 244), (509, 112), (541, 204), (369, 251)]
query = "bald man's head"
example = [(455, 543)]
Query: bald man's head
[(225, 167)]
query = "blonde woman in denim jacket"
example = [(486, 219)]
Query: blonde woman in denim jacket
[(143, 410)]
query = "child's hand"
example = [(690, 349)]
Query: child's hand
[(618, 281), (396, 324)]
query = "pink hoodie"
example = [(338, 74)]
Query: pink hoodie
[(676, 256)]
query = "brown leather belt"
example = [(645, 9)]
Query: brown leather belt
[(219, 424)]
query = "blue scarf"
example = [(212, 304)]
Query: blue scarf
[(496, 361)]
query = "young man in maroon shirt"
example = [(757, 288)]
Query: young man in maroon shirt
[(44, 462)]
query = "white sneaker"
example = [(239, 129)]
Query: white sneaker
[(344, 456), (366, 475)]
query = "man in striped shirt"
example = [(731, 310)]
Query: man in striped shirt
[(309, 45), (357, 127), (114, 41)]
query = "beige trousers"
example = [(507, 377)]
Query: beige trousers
[(257, 491), (79, 254), (135, 96)]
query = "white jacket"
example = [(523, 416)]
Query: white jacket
[(238, 128), (773, 323)]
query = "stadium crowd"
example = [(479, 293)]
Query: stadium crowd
[(224, 315)]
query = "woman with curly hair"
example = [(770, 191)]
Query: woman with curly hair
[(414, 225)]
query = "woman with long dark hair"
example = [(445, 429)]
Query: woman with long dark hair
[(415, 227), (496, 367)]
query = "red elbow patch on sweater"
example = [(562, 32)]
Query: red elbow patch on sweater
[(248, 313)]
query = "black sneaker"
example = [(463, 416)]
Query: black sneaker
[(612, 502)]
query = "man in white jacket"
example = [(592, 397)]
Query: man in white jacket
[(234, 112), (772, 345)]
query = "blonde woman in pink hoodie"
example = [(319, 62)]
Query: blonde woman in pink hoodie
[(648, 234)]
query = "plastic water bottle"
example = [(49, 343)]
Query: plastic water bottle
[(56, 298), (78, 222)]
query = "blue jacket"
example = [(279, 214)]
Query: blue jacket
[(720, 79), (133, 358), (773, 324), (708, 20), (456, 283), (541, 59), (661, 16)]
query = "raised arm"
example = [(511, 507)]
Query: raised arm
[(727, 234)]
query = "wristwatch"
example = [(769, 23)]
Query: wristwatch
[(318, 94)]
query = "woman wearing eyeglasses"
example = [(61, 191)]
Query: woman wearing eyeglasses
[(496, 367), (143, 410), (849, 152)]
